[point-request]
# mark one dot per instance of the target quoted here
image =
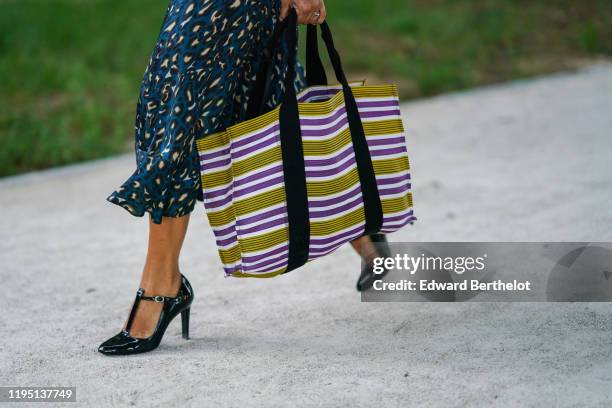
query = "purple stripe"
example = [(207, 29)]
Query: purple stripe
[(392, 180), (316, 254), (324, 130), (341, 112), (225, 231), (226, 241), (229, 271), (212, 165), (349, 236), (209, 193), (264, 270), (214, 155), (324, 126), (331, 172), (279, 260), (394, 190), (395, 227), (255, 148), (378, 104), (264, 215), (333, 211), (387, 152), (218, 203), (335, 200), (331, 160), (346, 234), (318, 92), (382, 141), (264, 173), (259, 135), (260, 227), (257, 258), (394, 218), (376, 114), (258, 187)]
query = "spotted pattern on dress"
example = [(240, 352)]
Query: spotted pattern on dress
[(196, 83)]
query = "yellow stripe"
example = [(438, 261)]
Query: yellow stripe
[(260, 201), (333, 186), (393, 205), (222, 217), (230, 255), (328, 227), (382, 127), (372, 91), (254, 124), (213, 141), (264, 241), (257, 161), (216, 179), (327, 147), (239, 274), (390, 166)]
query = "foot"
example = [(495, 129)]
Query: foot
[(368, 251), (365, 248), (147, 313), (123, 343)]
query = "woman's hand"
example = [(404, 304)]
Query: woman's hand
[(308, 11)]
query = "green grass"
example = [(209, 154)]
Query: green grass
[(70, 69)]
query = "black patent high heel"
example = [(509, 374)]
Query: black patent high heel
[(367, 277), (123, 344)]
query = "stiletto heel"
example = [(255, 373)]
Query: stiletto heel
[(185, 322), (122, 343), (367, 277)]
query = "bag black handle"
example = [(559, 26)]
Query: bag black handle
[(261, 87), (315, 73), (293, 156)]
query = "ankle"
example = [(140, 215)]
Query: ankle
[(161, 283)]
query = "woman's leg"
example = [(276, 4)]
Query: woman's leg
[(365, 248), (161, 273)]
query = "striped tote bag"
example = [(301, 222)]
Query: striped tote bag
[(323, 168)]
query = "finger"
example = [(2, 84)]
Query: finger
[(323, 12), (314, 18), (317, 13), (305, 10), (285, 6), (302, 13)]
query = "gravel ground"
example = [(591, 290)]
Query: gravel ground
[(528, 161)]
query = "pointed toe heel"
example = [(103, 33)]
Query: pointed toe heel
[(367, 276), (124, 344)]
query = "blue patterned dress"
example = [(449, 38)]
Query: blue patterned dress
[(196, 83)]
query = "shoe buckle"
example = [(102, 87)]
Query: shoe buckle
[(158, 299)]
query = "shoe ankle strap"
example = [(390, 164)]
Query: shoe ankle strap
[(140, 296), (158, 298)]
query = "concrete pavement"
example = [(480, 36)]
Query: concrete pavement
[(527, 161)]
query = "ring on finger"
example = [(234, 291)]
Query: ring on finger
[(315, 15)]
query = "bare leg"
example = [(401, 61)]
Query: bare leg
[(161, 273), (365, 248)]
